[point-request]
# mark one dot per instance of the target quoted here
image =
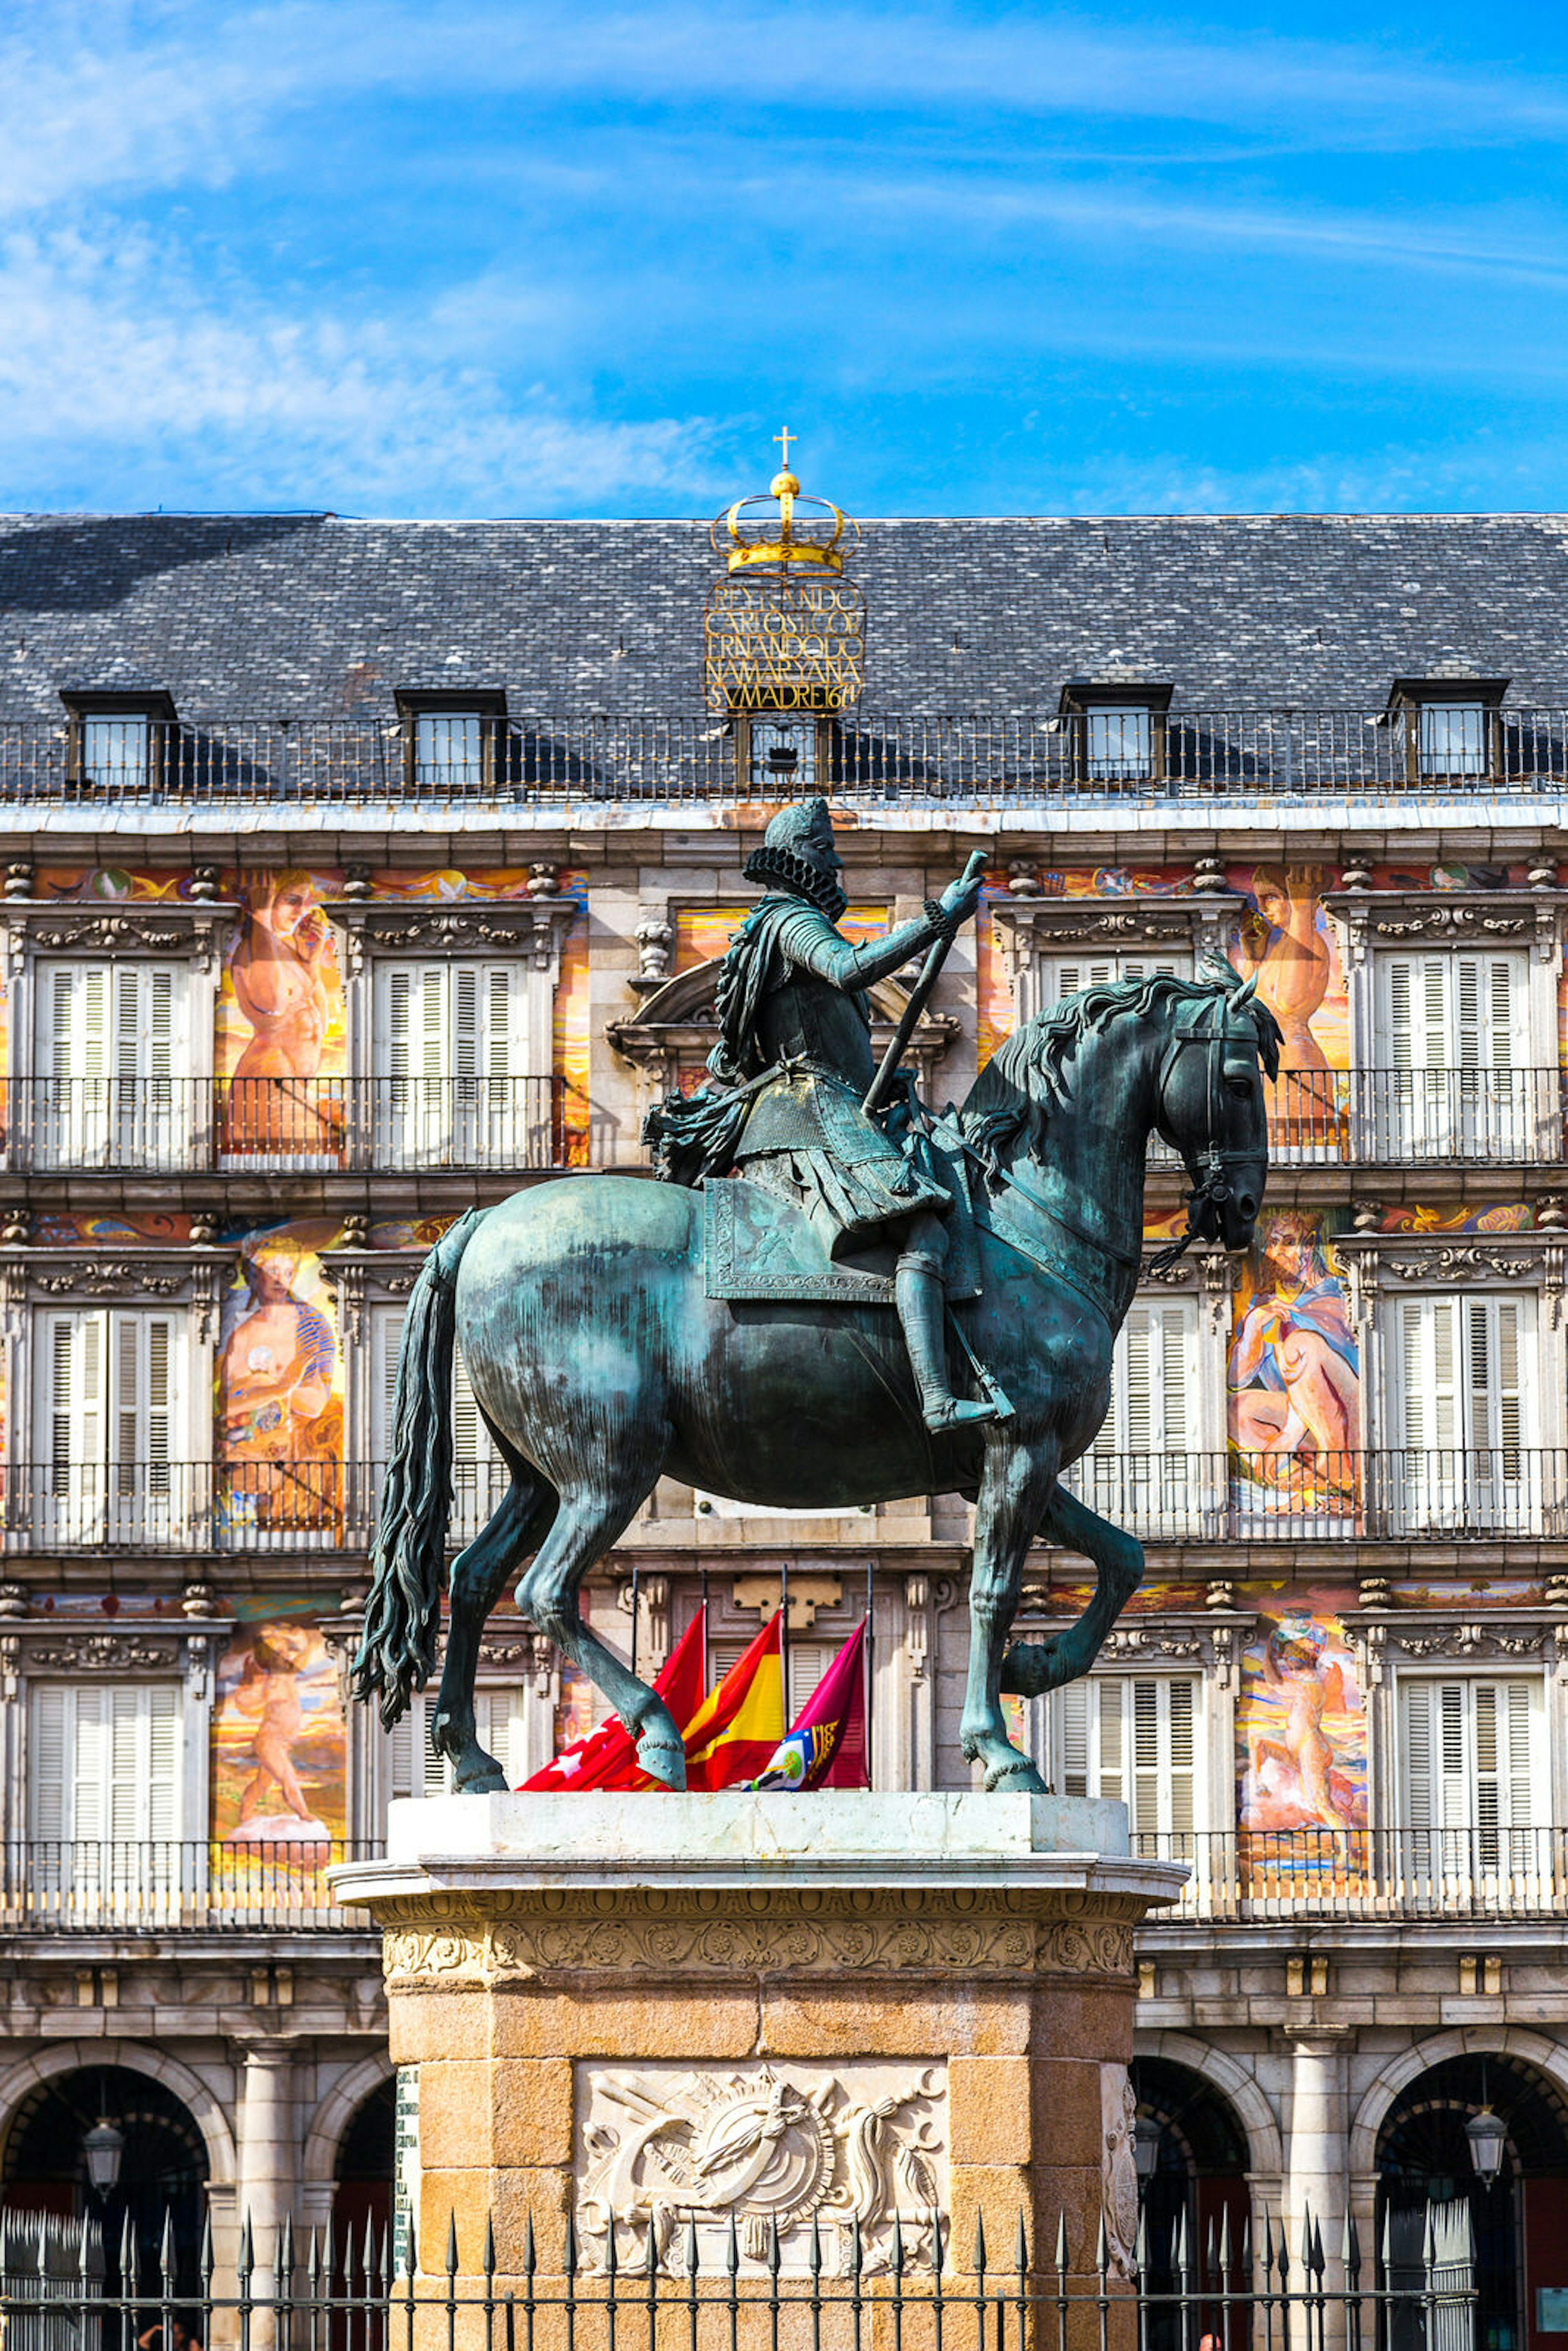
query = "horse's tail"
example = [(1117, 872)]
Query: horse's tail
[(397, 1648)]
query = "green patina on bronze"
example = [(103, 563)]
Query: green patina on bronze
[(602, 1362)]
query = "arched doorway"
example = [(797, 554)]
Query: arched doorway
[(363, 2195), (160, 2169), (1196, 2192), (1519, 2222)]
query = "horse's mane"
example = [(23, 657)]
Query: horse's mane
[(1030, 1074)]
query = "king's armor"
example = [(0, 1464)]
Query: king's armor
[(794, 1058)]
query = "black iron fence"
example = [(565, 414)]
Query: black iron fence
[(657, 2292), (239, 1885), (1242, 758), (258, 1126), (237, 1505)]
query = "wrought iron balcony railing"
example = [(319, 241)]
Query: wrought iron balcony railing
[(259, 1125), (1254, 1874), (235, 1505), (1245, 758), (233, 1886), (1382, 1118), (1459, 1492)]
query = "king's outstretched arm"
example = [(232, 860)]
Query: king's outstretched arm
[(809, 938)]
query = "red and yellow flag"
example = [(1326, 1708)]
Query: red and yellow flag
[(735, 1732), (607, 1757)]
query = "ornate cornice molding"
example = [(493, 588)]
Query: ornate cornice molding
[(195, 932), (1040, 926), (1513, 1636), (533, 927), (446, 1942), (1393, 918)]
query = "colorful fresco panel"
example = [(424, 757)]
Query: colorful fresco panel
[(280, 1390), (1294, 1385)]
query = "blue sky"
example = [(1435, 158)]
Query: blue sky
[(499, 257)]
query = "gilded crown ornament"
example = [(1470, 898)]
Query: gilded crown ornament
[(799, 529), (783, 629)]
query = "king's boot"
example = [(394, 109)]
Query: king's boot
[(921, 1309)]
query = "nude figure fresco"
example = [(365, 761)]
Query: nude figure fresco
[(1294, 1377), (280, 1390), (1301, 1726), (280, 1040), (279, 1745), (1286, 944)]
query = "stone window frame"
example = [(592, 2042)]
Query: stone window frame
[(1032, 931), (532, 929)]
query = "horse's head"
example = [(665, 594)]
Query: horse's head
[(1209, 1102)]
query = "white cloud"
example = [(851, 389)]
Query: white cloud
[(111, 358)]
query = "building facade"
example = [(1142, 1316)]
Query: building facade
[(356, 873)]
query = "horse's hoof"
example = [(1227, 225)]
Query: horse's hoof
[(1019, 1778), (492, 1782), (663, 1759)]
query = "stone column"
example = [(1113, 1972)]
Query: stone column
[(269, 2163), (1316, 2181), (685, 2011)]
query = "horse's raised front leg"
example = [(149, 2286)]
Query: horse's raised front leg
[(1014, 1488), (591, 1522), (480, 1575), (1117, 1559)]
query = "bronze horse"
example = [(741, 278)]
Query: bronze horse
[(600, 1365)]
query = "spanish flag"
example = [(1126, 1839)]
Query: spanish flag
[(735, 1731), (607, 1757)]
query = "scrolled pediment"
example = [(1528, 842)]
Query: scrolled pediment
[(531, 928), (192, 934)]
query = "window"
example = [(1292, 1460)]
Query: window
[(782, 752), (1132, 1737), (119, 741), (1070, 975), (499, 1719), (449, 1039), (103, 1795), (110, 1039), (1462, 1415), (452, 740), (808, 1662), (107, 1386), (1119, 745), (1119, 730), (1140, 1470), (479, 1475), (1472, 1776), (1453, 738), (1454, 1049)]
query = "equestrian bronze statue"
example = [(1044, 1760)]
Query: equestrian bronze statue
[(834, 1299)]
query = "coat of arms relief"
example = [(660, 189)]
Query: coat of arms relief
[(663, 2150)]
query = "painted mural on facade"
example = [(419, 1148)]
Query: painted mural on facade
[(280, 1389), (279, 1741), (282, 1029), (1294, 1401), (1301, 1726)]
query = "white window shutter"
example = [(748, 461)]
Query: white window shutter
[(1458, 1796), (161, 1703), (1072, 1708), (467, 1021), (1181, 1708), (400, 1755), (386, 1337), (470, 1438), (503, 1005), (89, 1765), (1108, 1751), (501, 1721), (48, 1733), (1418, 1706)]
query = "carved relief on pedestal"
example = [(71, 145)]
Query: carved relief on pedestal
[(1118, 2114), (668, 2147)]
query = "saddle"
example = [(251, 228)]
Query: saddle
[(759, 1245)]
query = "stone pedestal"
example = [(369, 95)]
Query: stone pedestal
[(678, 2011)]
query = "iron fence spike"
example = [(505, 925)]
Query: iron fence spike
[(731, 2247), (692, 2254), (286, 2249), (530, 2256), (490, 2248), (451, 2242), (773, 2245), (313, 2265), (612, 2252), (409, 2241), (980, 2245), (246, 2247), (84, 2249), (1140, 2244), (166, 2244), (1022, 2252), (816, 2247), (936, 2246), (570, 2259), (1224, 2241), (1102, 2250), (329, 2250), (1062, 2241), (895, 2256), (650, 2253)]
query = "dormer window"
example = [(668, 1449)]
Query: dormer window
[(119, 741), (1119, 730), (780, 753), (1450, 726), (454, 740)]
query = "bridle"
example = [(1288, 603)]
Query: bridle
[(1208, 1025)]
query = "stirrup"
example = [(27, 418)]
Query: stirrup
[(956, 1412)]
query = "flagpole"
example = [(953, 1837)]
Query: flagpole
[(705, 1682), (634, 1573), (784, 1635), (865, 1669)]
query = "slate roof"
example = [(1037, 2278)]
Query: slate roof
[(295, 616)]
